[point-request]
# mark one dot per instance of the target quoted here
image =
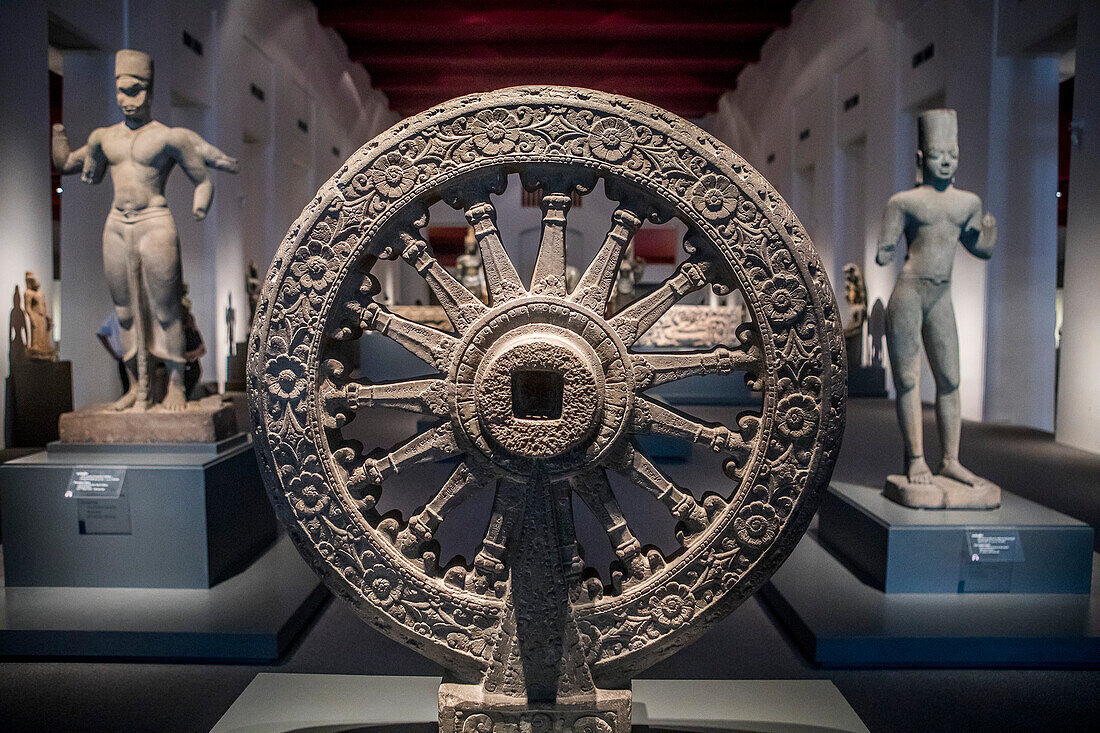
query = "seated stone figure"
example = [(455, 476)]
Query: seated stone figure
[(935, 218)]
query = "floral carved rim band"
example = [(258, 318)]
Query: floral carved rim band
[(320, 293)]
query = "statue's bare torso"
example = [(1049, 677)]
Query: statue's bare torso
[(934, 222)]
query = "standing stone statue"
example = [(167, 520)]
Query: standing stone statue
[(141, 250), (469, 268), (935, 217), (40, 346), (630, 272), (855, 293), (231, 325), (252, 287)]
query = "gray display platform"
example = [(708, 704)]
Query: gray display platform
[(253, 616), (1021, 547), (866, 381), (280, 703), (840, 621), (182, 515)]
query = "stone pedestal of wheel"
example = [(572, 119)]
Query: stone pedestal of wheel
[(467, 709)]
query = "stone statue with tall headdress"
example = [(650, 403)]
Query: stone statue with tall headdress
[(141, 250), (935, 218)]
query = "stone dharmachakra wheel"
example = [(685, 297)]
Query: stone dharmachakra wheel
[(562, 348)]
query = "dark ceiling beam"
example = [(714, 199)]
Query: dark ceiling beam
[(720, 20), (517, 51), (637, 86), (758, 10), (587, 75), (417, 26), (688, 105), (432, 63)]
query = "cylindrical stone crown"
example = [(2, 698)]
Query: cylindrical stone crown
[(937, 128), (138, 64)]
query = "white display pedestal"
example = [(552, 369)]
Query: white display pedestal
[(276, 703)]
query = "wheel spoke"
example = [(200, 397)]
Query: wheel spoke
[(571, 561), (501, 278), (429, 344), (594, 288), (549, 274), (653, 369), (631, 463), (489, 567), (422, 396), (634, 320), (653, 418), (422, 525), (595, 491), (460, 305), (432, 445)]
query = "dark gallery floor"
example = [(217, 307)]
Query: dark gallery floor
[(750, 644)]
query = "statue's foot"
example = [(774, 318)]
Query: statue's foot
[(954, 470), (126, 401), (919, 472), (174, 400)]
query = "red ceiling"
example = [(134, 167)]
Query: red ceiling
[(679, 54)]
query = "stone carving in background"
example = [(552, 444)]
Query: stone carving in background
[(694, 325), (40, 345), (231, 324), (469, 268), (855, 294), (252, 288), (935, 218), (17, 329), (630, 273), (430, 315), (538, 398), (141, 254)]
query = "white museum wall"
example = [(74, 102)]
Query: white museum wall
[(1079, 390), (1007, 103), (307, 81), (26, 236)]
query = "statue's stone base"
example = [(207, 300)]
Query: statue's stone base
[(205, 421), (943, 493), (466, 709)]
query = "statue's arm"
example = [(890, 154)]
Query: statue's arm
[(979, 241), (893, 225), (95, 160), (64, 159), (212, 157), (190, 159), (89, 159)]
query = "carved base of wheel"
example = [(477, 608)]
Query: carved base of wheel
[(467, 709)]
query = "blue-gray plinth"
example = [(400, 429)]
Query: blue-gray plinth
[(903, 550), (281, 703), (189, 515), (840, 621), (253, 616)]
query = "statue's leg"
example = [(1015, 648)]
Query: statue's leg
[(904, 315), (117, 268), (163, 277), (941, 341)]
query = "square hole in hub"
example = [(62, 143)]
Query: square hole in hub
[(537, 394)]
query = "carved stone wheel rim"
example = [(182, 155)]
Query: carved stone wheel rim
[(740, 234)]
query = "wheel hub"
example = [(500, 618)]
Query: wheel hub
[(542, 381)]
